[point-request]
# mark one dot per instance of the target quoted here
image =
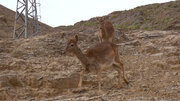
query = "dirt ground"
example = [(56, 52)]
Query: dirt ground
[(35, 68)]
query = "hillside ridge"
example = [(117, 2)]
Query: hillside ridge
[(158, 16)]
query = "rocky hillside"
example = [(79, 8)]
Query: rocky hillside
[(164, 16), (7, 23), (151, 17)]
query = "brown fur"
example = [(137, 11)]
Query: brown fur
[(106, 30), (97, 58)]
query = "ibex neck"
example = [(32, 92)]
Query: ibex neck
[(81, 57)]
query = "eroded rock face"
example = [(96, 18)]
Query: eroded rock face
[(61, 84), (173, 60), (9, 83), (10, 80), (151, 49)]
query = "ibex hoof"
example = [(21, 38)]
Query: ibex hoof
[(100, 92), (79, 90), (119, 86)]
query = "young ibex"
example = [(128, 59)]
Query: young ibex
[(97, 58), (106, 30)]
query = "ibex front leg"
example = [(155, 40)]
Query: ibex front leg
[(80, 79), (100, 37), (99, 81)]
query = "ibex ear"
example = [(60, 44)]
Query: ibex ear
[(103, 18), (97, 19), (76, 37)]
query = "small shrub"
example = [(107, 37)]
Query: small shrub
[(155, 5), (70, 27), (136, 26), (165, 20), (113, 16), (146, 28), (123, 26)]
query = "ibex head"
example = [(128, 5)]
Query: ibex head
[(100, 22), (72, 44)]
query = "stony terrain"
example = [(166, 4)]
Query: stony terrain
[(35, 68)]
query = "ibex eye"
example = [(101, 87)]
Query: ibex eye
[(72, 44)]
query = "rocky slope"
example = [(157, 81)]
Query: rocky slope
[(36, 69)]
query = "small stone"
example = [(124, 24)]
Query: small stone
[(167, 74), (175, 73)]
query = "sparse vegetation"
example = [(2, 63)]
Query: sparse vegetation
[(90, 23), (155, 6), (123, 26), (147, 28), (126, 26), (113, 16), (136, 26)]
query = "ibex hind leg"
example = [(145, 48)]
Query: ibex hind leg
[(116, 67), (120, 66)]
